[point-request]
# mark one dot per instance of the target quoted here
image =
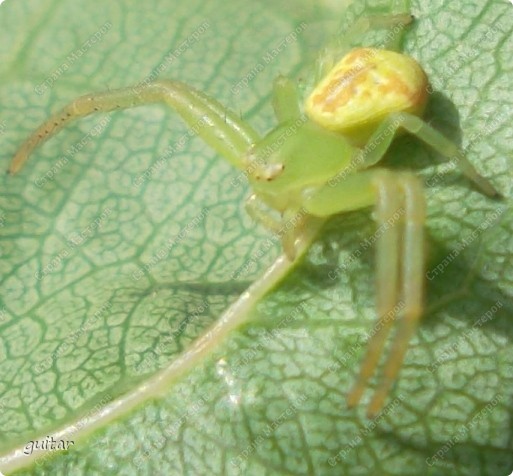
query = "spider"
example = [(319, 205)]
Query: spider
[(321, 160)]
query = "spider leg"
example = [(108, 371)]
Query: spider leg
[(397, 198), (388, 213), (382, 137), (412, 274), (217, 126)]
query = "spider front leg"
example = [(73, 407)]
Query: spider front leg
[(400, 215), (403, 216), (381, 139), (217, 126)]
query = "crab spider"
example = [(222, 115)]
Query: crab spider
[(320, 160)]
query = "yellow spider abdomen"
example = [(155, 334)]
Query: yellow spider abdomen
[(365, 86)]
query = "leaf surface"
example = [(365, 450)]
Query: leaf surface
[(117, 254)]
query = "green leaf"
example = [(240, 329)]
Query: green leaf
[(116, 257)]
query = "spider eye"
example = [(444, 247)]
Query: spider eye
[(273, 170)]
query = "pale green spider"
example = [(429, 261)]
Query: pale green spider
[(321, 162)]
